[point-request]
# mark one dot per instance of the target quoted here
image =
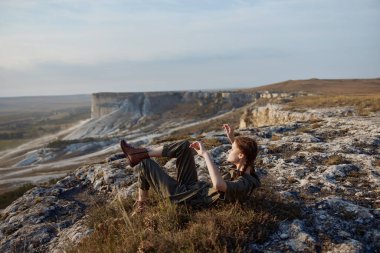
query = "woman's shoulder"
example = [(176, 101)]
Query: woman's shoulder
[(252, 178), (231, 174)]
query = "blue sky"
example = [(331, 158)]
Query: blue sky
[(75, 47)]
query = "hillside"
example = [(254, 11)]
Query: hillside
[(319, 194), (12, 105), (325, 86), (140, 117), (319, 162)]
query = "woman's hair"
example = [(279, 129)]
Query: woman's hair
[(248, 147)]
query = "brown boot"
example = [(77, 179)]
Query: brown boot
[(139, 207), (135, 155)]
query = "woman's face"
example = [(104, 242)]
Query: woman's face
[(234, 155)]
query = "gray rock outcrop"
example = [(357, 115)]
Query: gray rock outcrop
[(329, 167), (150, 103), (272, 114)]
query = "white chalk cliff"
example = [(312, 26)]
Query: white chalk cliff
[(114, 112)]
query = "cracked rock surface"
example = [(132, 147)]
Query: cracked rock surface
[(330, 167)]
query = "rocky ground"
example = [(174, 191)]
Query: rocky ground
[(329, 165)]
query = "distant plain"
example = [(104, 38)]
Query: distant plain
[(26, 118)]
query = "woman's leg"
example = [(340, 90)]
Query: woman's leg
[(185, 163), (142, 195), (140, 203), (155, 151), (152, 175), (136, 155)]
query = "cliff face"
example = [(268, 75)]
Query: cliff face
[(112, 113), (150, 103), (272, 114), (105, 103)]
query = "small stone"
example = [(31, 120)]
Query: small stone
[(12, 219), (98, 184), (344, 234), (284, 236), (76, 237), (56, 191), (313, 189), (88, 231)]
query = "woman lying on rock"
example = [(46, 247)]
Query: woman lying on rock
[(236, 185)]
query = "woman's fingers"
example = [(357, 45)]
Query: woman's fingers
[(198, 147), (227, 128), (195, 145)]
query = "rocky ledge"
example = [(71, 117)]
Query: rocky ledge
[(330, 167)]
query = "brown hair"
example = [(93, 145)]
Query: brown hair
[(248, 147)]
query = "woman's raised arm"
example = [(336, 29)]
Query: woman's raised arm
[(229, 132)]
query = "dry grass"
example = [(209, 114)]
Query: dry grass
[(292, 180), (276, 138), (315, 149), (377, 163), (336, 159), (285, 150), (8, 197), (316, 125), (364, 104), (304, 129), (165, 227), (325, 86)]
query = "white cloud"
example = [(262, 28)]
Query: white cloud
[(39, 37)]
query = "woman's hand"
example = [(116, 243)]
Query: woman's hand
[(229, 132), (216, 178), (198, 146)]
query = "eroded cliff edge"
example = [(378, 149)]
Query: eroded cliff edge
[(150, 103), (113, 113)]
